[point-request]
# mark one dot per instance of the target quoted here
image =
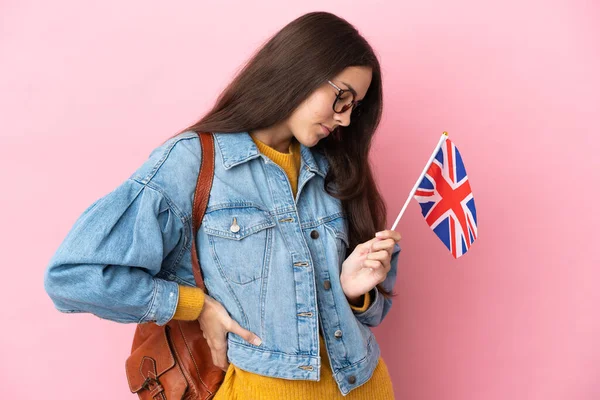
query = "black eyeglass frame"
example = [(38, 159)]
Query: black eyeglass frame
[(355, 105)]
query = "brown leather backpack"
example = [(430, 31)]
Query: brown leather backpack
[(173, 361)]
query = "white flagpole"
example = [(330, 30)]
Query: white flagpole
[(414, 189)]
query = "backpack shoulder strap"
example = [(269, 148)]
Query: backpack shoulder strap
[(203, 186)]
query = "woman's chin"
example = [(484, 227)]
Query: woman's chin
[(315, 140), (310, 141)]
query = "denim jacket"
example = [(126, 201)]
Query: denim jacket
[(272, 260)]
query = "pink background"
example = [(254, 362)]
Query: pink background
[(88, 89)]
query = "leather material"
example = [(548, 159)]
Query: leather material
[(173, 361)]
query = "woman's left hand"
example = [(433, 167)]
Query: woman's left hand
[(368, 265)]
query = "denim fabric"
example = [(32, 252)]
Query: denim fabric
[(126, 254)]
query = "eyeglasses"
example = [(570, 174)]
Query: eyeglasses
[(344, 100)]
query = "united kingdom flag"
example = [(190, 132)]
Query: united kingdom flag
[(447, 201)]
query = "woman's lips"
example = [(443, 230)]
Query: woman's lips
[(324, 130)]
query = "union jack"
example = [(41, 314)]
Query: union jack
[(447, 201)]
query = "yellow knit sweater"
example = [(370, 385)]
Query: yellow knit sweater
[(244, 385)]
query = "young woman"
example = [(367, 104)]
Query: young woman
[(294, 271)]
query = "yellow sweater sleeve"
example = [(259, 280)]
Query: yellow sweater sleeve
[(189, 303), (365, 305)]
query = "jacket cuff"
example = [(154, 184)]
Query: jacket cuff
[(372, 316), (189, 303), (366, 303)]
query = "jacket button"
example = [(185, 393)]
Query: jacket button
[(352, 379), (314, 234), (327, 284), (235, 228), (338, 334)]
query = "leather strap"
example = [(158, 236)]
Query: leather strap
[(148, 370), (203, 186)]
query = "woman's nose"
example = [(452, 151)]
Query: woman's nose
[(343, 118)]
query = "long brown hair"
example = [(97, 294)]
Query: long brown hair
[(280, 75)]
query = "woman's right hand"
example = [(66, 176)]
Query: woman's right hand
[(215, 322)]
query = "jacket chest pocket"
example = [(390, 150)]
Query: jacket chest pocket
[(338, 230), (240, 240)]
